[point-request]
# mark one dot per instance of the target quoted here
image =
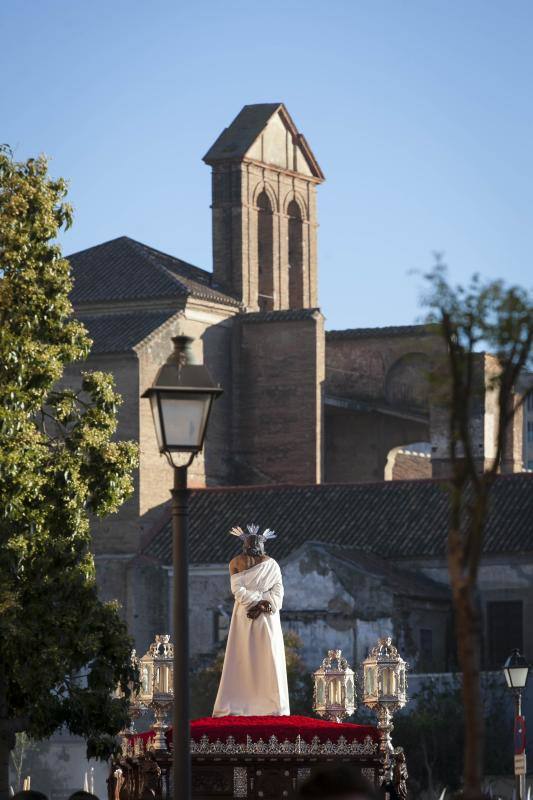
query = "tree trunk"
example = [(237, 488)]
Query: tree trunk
[(7, 738), (469, 642)]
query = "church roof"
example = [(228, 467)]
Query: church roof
[(388, 330), (124, 269), (283, 315), (120, 332), (394, 519), (235, 141)]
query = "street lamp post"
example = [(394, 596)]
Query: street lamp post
[(181, 398), (516, 670)]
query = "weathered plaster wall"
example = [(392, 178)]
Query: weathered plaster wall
[(330, 604), (504, 577), (209, 588)]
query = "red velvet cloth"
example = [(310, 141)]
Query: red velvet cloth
[(281, 727), (265, 727)]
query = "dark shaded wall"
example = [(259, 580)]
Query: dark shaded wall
[(277, 417), (357, 444), (384, 377)]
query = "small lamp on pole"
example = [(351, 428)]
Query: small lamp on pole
[(385, 692), (516, 671), (181, 398)]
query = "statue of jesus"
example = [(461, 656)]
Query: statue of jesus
[(254, 676)]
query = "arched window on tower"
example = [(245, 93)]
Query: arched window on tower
[(296, 276), (265, 253)]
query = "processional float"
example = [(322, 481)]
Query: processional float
[(265, 758)]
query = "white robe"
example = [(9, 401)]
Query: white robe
[(254, 676)]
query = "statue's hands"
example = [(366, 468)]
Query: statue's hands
[(263, 607)]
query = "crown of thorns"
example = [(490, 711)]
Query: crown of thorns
[(253, 530)]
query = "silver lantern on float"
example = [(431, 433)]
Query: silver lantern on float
[(156, 670), (385, 692), (334, 688)]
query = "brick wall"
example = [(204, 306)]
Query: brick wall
[(358, 444), (409, 466), (211, 330), (116, 533), (387, 376), (277, 417), (236, 188)]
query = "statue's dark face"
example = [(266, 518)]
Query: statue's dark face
[(254, 545)]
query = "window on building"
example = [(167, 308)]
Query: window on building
[(504, 630), (529, 402), (530, 431), (265, 253), (296, 287), (426, 650), (221, 621)]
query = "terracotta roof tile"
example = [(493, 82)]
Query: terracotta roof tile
[(389, 330), (393, 519), (124, 269), (286, 315), (118, 332)]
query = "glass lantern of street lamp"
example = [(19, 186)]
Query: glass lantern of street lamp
[(516, 670), (181, 398), (334, 690)]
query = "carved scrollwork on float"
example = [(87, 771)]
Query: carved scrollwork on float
[(369, 773), (273, 746), (240, 782)]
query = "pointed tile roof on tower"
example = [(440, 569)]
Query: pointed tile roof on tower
[(235, 141)]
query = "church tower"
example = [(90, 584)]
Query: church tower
[(264, 210)]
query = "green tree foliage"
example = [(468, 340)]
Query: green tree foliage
[(205, 680), (62, 650), (499, 319), (431, 731)]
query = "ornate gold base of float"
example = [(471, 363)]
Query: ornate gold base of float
[(257, 758)]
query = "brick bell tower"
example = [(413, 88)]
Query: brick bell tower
[(264, 210)]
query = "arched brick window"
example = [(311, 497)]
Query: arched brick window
[(296, 277), (265, 259)]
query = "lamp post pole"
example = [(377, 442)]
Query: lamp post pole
[(516, 671), (180, 560), (520, 780), (181, 398)]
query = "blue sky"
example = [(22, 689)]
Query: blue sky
[(420, 114)]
